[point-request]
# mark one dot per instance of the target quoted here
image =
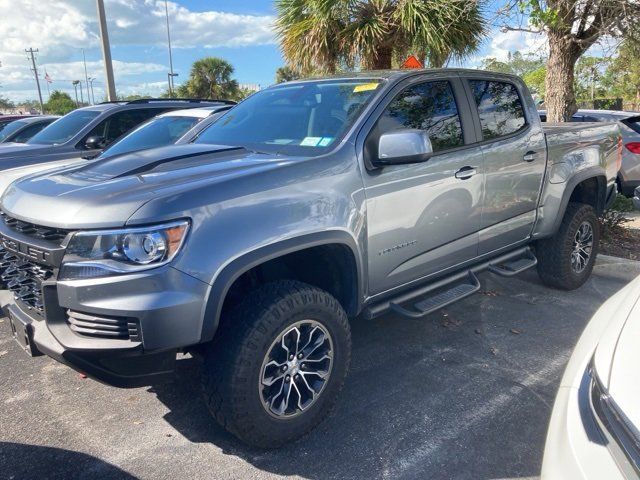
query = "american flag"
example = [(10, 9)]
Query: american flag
[(47, 77)]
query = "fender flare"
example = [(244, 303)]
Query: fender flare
[(592, 172), (232, 271)]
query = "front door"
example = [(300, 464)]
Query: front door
[(424, 217)]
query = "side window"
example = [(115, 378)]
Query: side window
[(120, 123), (499, 106), (428, 106), (27, 133)]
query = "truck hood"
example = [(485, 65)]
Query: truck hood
[(105, 193)]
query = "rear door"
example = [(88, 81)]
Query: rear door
[(421, 217), (514, 151)]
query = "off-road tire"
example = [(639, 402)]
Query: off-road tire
[(232, 366), (554, 254)]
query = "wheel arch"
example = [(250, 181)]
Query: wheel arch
[(588, 186), (348, 262)]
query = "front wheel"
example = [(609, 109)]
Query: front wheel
[(565, 261), (276, 369)]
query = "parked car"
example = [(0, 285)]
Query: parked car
[(308, 203), (7, 119), (167, 128), (594, 431), (629, 174), (19, 131), (89, 130)]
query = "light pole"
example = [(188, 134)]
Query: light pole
[(93, 97), (86, 77), (170, 77), (75, 89), (106, 51), (171, 74)]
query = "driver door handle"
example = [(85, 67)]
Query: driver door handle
[(530, 156), (466, 172)]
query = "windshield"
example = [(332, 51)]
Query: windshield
[(155, 133), (299, 119), (11, 128), (63, 129)]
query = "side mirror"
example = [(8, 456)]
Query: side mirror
[(404, 146), (94, 142)]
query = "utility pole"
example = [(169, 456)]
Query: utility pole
[(171, 75), (86, 77), (31, 52), (106, 52)]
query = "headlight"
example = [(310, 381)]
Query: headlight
[(112, 252)]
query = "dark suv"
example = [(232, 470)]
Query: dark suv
[(87, 131)]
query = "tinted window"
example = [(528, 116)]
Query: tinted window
[(63, 129), (4, 123), (11, 128), (155, 133), (633, 123), (25, 134), (499, 107), (120, 123), (296, 119), (429, 106)]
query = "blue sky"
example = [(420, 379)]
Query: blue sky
[(239, 31)]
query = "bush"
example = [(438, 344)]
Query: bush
[(615, 217)]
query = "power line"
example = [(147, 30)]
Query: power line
[(32, 52)]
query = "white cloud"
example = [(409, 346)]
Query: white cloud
[(503, 43), (60, 28)]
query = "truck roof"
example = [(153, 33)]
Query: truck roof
[(400, 73)]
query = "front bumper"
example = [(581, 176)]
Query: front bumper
[(165, 305)]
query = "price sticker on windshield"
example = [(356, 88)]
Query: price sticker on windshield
[(365, 87)]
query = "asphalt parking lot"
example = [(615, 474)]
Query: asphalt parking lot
[(466, 393)]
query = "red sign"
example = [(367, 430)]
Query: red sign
[(412, 62)]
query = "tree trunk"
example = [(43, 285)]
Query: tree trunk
[(560, 100), (383, 59)]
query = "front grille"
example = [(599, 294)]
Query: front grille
[(95, 326), (24, 278), (36, 231), (21, 274)]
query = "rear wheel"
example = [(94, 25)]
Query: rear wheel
[(566, 260), (275, 370)]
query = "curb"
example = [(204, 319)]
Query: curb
[(616, 267)]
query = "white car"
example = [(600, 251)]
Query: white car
[(594, 431), (175, 126)]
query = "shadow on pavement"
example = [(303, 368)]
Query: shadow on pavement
[(457, 395), (19, 461)]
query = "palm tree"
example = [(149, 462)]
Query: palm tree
[(286, 74), (210, 77), (323, 35)]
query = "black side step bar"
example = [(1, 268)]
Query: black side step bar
[(466, 283), (441, 300), (513, 267)]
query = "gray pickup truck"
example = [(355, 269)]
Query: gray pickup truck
[(309, 203)]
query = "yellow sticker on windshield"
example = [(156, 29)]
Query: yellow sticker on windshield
[(365, 87)]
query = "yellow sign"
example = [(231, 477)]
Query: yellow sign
[(365, 87)]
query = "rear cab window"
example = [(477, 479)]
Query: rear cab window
[(500, 108)]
